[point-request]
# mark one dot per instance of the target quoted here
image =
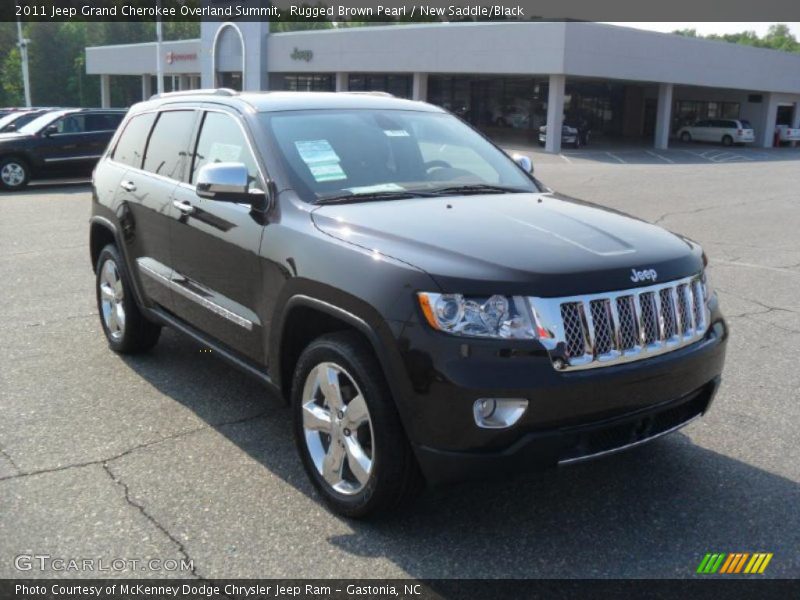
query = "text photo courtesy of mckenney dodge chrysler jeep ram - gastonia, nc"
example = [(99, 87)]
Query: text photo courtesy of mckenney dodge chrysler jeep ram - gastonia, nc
[(429, 309)]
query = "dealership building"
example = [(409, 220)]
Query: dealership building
[(506, 78)]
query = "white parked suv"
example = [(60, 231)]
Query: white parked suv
[(726, 131)]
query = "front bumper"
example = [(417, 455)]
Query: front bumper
[(540, 450), (571, 415)]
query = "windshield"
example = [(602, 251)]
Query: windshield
[(9, 118), (386, 153), (40, 123)]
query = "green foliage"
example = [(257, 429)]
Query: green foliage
[(778, 37)]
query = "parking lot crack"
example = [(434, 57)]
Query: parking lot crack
[(130, 450), (147, 515), (660, 219), (7, 456)]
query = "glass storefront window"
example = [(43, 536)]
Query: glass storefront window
[(686, 112), (308, 82), (397, 85)]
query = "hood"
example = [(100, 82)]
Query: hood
[(535, 244), (13, 136)]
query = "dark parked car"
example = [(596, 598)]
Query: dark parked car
[(429, 309), (56, 144), (13, 121)]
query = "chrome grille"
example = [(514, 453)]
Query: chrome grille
[(609, 328)]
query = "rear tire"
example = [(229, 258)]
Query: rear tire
[(125, 327), (686, 137), (727, 140), (348, 431), (14, 173)]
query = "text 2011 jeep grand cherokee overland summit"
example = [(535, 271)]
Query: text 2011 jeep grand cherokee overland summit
[(428, 308)]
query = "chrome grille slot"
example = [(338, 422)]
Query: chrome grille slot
[(603, 328), (649, 318), (670, 327), (609, 328), (684, 309), (573, 328), (628, 324)]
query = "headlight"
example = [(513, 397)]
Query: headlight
[(498, 317)]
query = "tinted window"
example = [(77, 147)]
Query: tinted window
[(130, 148), (222, 140), (71, 124), (103, 121), (167, 150), (746, 125)]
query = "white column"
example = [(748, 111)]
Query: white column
[(105, 91), (147, 86), (419, 88), (663, 116), (342, 82), (555, 113), (765, 129)]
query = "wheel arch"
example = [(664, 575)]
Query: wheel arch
[(305, 318)]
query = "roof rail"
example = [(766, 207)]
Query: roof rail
[(206, 92), (371, 93)]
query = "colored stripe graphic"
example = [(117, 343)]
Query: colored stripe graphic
[(734, 562), (710, 563)]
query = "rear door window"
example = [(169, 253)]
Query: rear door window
[(102, 121), (130, 148), (71, 124), (168, 149)]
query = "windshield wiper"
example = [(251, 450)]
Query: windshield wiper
[(372, 196), (478, 188)]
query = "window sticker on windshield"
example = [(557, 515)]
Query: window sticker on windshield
[(331, 171), (321, 159), (316, 151), (372, 189), (396, 133), (224, 152)]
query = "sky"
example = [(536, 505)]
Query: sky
[(706, 28)]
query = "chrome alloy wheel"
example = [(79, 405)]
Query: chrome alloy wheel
[(12, 174), (337, 428), (111, 300)]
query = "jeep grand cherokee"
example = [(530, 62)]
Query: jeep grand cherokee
[(428, 308)]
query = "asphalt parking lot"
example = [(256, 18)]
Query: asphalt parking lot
[(175, 455)]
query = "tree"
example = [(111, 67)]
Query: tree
[(778, 37)]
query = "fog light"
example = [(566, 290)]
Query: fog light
[(498, 413)]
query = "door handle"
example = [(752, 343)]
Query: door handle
[(183, 206), (128, 186)]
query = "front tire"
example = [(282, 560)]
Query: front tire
[(14, 174), (125, 327), (347, 429)]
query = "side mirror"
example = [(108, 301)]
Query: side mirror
[(51, 130), (224, 182), (524, 162), (10, 128)]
